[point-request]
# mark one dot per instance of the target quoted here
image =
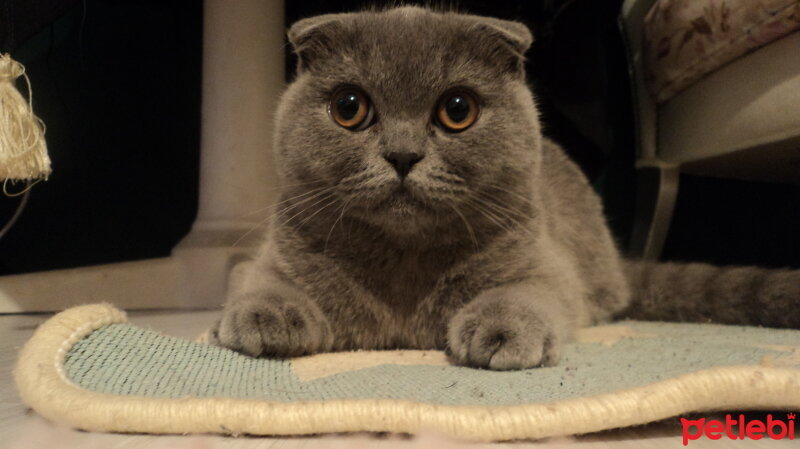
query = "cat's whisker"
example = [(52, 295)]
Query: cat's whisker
[(255, 212), (299, 184), (327, 205), (467, 225), (280, 187), (504, 211), (276, 215), (310, 192), (360, 225), (283, 211), (490, 216), (249, 231), (505, 190), (502, 220), (496, 204), (325, 198), (341, 216), (283, 202)]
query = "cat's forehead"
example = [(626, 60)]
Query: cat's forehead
[(410, 49), (413, 33), (409, 45)]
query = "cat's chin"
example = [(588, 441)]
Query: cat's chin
[(405, 227)]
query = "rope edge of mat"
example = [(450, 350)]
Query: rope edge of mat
[(41, 382)]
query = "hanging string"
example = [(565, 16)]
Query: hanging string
[(26, 193), (28, 186)]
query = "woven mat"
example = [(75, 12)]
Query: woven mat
[(87, 367)]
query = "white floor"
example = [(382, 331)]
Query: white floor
[(21, 428)]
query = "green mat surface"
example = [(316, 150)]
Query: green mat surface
[(123, 359)]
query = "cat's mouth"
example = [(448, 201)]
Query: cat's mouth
[(405, 209), (402, 192), (402, 201)]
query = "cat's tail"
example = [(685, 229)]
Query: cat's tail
[(697, 292)]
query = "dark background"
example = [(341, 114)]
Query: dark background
[(118, 85)]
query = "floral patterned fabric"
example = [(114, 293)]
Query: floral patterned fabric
[(684, 40)]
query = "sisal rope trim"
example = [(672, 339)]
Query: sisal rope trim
[(43, 386)]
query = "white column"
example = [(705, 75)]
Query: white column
[(243, 76)]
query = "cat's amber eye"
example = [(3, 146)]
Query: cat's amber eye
[(457, 111), (350, 108)]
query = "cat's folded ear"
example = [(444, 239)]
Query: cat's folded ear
[(313, 37), (504, 41)]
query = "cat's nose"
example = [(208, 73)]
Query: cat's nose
[(403, 161)]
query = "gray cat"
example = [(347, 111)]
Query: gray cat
[(422, 209)]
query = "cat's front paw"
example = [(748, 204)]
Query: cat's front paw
[(273, 325), (501, 334)]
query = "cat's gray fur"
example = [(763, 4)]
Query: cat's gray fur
[(502, 252)]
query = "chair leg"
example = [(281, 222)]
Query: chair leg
[(655, 201)]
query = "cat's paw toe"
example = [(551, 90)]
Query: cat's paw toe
[(500, 339), (259, 324)]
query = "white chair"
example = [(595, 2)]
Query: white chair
[(741, 121)]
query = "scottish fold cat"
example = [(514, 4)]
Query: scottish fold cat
[(422, 208)]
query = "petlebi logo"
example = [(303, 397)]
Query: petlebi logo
[(739, 428)]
